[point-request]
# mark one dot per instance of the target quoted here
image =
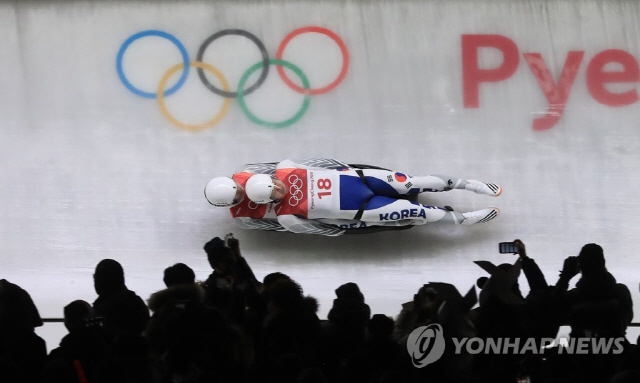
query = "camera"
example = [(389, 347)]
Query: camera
[(227, 238), (508, 247), (94, 322)]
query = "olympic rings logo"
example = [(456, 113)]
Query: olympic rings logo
[(161, 92), (295, 190)]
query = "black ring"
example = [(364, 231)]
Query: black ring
[(239, 32)]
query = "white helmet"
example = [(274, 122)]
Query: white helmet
[(259, 188), (221, 192)]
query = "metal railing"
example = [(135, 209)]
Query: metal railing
[(60, 320)]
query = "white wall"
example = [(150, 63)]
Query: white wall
[(94, 171)]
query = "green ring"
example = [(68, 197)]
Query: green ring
[(282, 124)]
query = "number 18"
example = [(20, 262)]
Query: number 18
[(324, 183)]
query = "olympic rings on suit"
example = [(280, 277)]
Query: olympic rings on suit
[(295, 189), (240, 93), (295, 198), (295, 181)]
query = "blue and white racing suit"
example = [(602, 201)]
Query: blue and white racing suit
[(322, 201)]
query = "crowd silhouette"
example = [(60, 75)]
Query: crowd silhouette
[(234, 328)]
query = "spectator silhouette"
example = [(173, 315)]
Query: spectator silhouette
[(540, 317), (178, 274), (421, 311), (272, 278), (382, 355), (234, 328), (257, 305), (124, 312), (181, 290), (456, 318), (290, 328), (343, 333), (82, 350), (598, 306), (350, 312), (22, 352), (201, 345), (500, 315), (181, 287), (232, 285)]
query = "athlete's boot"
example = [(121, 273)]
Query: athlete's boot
[(480, 216), (478, 187)]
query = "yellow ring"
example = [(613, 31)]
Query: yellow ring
[(182, 125)]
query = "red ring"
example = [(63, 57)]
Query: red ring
[(324, 31)]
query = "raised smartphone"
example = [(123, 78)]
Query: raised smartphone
[(508, 247)]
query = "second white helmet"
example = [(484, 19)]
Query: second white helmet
[(259, 188), (221, 192)]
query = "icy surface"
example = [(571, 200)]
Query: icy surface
[(93, 171)]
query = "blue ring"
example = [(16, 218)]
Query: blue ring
[(170, 37)]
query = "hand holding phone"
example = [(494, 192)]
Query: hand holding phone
[(232, 243), (508, 248)]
